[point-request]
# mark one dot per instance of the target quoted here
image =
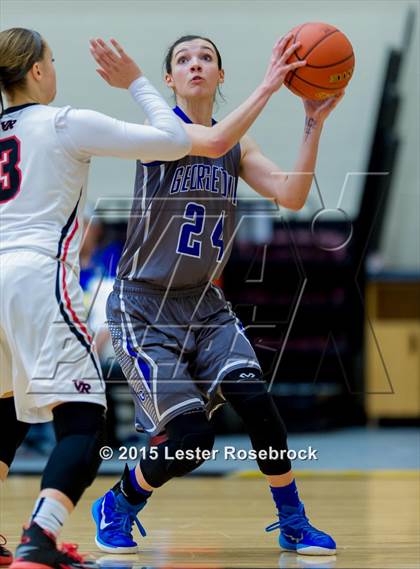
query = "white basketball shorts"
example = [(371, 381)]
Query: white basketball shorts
[(46, 352)]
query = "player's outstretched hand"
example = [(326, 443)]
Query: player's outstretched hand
[(115, 66), (319, 110), (278, 68)]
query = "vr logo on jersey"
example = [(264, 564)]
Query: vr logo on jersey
[(82, 386), (198, 177), (7, 125)]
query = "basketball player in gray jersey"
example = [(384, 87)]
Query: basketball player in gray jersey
[(181, 347), (195, 196)]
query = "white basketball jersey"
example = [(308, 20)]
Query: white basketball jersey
[(42, 187), (44, 160)]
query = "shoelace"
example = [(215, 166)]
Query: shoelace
[(125, 520), (3, 539), (297, 521)]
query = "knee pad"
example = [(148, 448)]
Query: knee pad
[(74, 462), (256, 407), (16, 430), (188, 435)]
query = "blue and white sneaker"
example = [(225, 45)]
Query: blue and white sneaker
[(297, 534), (114, 518)]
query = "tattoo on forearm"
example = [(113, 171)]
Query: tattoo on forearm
[(310, 124)]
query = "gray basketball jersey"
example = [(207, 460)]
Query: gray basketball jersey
[(182, 222)]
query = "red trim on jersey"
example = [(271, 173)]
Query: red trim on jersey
[(64, 284)]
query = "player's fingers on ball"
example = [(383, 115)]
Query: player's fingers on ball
[(278, 68), (295, 65), (335, 99), (332, 106), (291, 49), (282, 42), (279, 46)]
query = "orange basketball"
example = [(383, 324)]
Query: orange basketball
[(330, 61)]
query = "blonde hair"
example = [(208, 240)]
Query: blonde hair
[(19, 50)]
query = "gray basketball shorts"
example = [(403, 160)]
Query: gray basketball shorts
[(175, 348)]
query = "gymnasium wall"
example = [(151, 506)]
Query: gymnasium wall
[(245, 32)]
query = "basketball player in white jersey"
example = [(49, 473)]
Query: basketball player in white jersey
[(49, 366)]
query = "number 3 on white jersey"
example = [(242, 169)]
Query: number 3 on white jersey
[(10, 174)]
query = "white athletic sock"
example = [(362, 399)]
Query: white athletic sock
[(49, 514)]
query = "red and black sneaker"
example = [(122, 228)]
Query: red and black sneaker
[(6, 556), (38, 550)]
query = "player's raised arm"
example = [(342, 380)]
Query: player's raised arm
[(217, 140), (266, 178), (91, 133)]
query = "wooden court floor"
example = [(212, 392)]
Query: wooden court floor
[(219, 522)]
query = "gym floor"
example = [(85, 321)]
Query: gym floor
[(214, 522), (363, 489)]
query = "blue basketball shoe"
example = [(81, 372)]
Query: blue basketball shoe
[(114, 518), (297, 534)]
